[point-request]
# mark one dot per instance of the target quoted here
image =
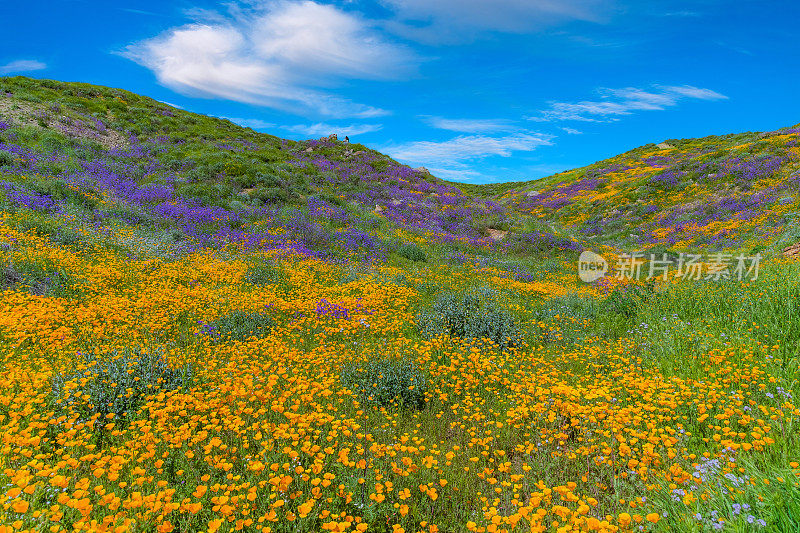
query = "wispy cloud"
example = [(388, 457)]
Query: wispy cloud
[(22, 65), (455, 174), (459, 20), (737, 49), (139, 11), (284, 56), (468, 125), (571, 131), (322, 129), (625, 101), (451, 158), (684, 13), (255, 123)]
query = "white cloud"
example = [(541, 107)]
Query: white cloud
[(22, 65), (450, 158), (468, 125), (138, 11), (318, 39), (684, 13), (176, 106), (448, 20), (695, 92), (619, 102), (277, 57), (255, 123), (322, 129), (460, 174), (572, 131)]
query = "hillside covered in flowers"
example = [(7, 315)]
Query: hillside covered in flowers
[(728, 192), (206, 328)]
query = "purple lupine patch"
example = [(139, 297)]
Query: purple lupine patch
[(666, 180), (326, 308), (30, 199)]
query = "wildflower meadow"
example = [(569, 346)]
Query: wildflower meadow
[(204, 328)]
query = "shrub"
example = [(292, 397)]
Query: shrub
[(626, 301), (38, 279), (564, 319), (539, 243), (66, 237), (239, 325), (470, 316), (11, 277), (379, 165), (271, 195), (200, 173), (116, 383), (262, 179), (314, 235), (571, 306), (52, 141), (6, 159), (263, 273), (412, 252), (385, 382), (61, 191)]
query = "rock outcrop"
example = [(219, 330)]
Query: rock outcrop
[(793, 251)]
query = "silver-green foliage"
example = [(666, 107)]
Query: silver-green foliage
[(264, 273), (118, 383), (386, 382), (412, 252), (471, 316), (239, 325)]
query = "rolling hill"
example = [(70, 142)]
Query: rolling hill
[(207, 328)]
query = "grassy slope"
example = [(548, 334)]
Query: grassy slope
[(267, 269), (720, 192)]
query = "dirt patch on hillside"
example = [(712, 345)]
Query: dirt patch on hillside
[(792, 252), (496, 234)]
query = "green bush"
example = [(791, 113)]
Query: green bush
[(239, 325), (6, 159), (67, 237), (470, 316), (263, 273), (412, 252), (386, 382), (61, 191), (379, 165), (570, 306), (627, 301), (53, 142), (564, 319), (200, 173), (271, 195), (116, 383), (38, 279)]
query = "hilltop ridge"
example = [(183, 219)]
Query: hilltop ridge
[(208, 180), (737, 191)]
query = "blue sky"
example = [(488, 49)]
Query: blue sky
[(475, 90)]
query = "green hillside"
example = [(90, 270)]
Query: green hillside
[(206, 328)]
